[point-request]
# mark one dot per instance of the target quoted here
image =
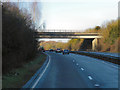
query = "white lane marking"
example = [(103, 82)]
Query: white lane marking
[(96, 85), (42, 73), (105, 62), (77, 64), (82, 69), (90, 77)]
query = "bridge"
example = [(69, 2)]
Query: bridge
[(90, 38)]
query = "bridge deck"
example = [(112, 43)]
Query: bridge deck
[(67, 35)]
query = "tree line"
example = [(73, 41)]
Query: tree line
[(18, 42)]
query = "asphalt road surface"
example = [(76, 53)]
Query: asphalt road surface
[(77, 71)]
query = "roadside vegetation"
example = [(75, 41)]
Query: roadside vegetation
[(111, 36), (18, 42), (20, 76), (20, 55), (109, 43)]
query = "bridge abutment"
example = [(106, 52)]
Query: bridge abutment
[(95, 43)]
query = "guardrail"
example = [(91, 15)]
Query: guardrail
[(108, 58)]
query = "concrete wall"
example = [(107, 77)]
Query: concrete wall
[(90, 45), (86, 45), (95, 43)]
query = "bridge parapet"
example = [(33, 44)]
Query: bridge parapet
[(59, 30), (67, 35)]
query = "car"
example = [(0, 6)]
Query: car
[(58, 50), (51, 50), (65, 51)]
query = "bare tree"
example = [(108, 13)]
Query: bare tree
[(35, 11)]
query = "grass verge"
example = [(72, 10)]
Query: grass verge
[(19, 77)]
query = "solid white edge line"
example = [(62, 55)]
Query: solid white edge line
[(90, 77), (41, 73), (105, 62), (110, 64)]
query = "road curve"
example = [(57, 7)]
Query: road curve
[(77, 71)]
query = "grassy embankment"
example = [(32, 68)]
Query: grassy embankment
[(24, 73)]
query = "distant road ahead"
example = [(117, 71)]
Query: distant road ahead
[(77, 71)]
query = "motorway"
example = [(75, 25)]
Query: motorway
[(77, 71)]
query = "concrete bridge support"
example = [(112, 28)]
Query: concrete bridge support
[(86, 45), (95, 43)]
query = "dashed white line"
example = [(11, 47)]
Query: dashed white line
[(34, 85), (90, 77), (82, 69)]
